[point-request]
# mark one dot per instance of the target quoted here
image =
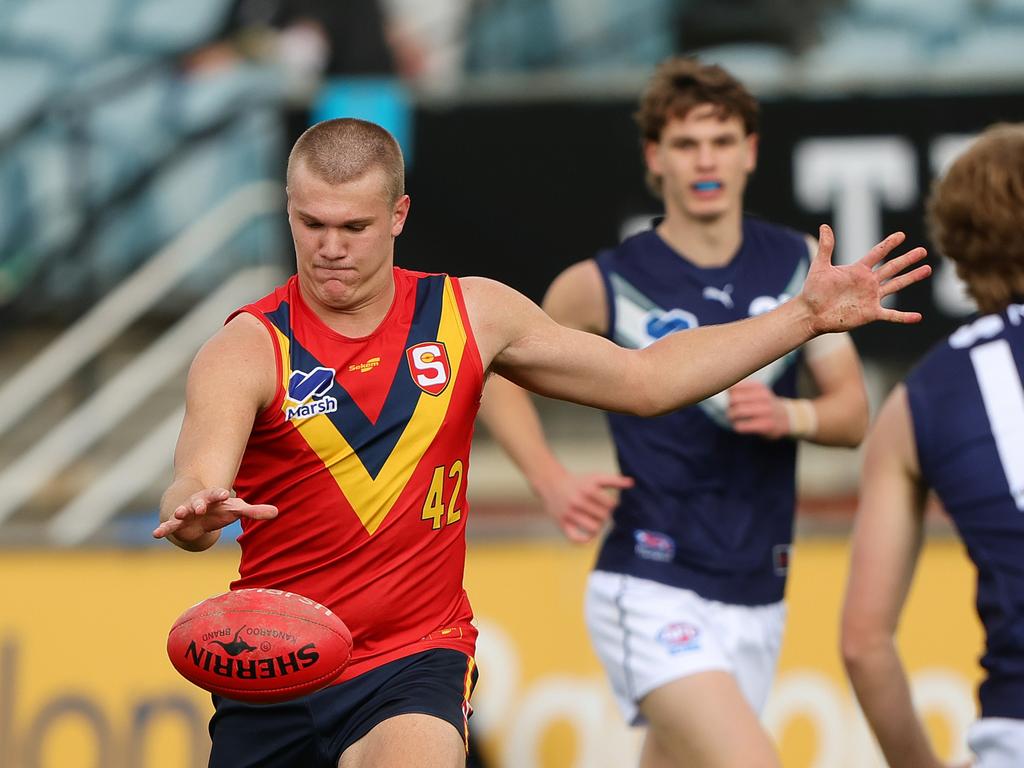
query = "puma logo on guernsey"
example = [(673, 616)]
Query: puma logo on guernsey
[(723, 295), (369, 365), (236, 646)]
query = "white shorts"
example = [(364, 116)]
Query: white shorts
[(648, 634), (997, 742)]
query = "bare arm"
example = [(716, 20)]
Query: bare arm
[(837, 416), (579, 503), (520, 342), (841, 407), (231, 379), (887, 539)]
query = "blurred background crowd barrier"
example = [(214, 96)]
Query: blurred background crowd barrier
[(142, 147)]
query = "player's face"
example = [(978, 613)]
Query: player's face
[(344, 236), (704, 163)]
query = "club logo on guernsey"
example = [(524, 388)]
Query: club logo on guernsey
[(429, 366), (308, 391), (659, 324)]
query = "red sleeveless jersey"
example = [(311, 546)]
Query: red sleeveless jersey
[(365, 452)]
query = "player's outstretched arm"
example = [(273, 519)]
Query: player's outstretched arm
[(837, 415), (887, 539), (230, 380), (523, 344)]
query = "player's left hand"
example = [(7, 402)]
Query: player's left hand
[(583, 504), (841, 298), (207, 511), (754, 409)]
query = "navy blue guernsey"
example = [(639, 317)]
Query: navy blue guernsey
[(711, 510), (967, 406)]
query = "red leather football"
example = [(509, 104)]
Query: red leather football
[(259, 645)]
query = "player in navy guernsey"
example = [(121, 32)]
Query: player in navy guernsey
[(956, 426), (685, 605)]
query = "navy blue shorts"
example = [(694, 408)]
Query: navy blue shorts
[(313, 731)]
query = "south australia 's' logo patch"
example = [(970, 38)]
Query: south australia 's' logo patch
[(429, 366), (308, 392)]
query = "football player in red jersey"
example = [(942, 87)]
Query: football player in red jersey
[(358, 501)]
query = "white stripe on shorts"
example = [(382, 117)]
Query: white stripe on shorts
[(997, 742), (648, 634)]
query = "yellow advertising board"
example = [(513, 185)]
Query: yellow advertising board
[(85, 683)]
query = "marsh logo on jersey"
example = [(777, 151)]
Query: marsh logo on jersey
[(309, 393), (679, 637), (651, 545), (659, 324), (429, 366)]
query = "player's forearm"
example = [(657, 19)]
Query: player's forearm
[(842, 418), (687, 367), (177, 494), (880, 683), (510, 416)]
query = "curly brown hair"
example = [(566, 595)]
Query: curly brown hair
[(681, 83), (974, 214)]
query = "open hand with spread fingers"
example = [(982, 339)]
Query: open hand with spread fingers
[(209, 510), (843, 297)]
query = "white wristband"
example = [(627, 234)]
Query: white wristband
[(803, 417)]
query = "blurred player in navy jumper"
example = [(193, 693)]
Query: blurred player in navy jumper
[(685, 606), (956, 426)]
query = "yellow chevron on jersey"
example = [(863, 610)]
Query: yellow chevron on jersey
[(284, 352), (344, 439)]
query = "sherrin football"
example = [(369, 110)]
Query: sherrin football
[(259, 645)]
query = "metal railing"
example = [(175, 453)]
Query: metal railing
[(101, 412)]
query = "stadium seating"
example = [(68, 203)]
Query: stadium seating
[(66, 31), (97, 113), (167, 28)]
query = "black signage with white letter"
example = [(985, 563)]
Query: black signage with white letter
[(519, 191)]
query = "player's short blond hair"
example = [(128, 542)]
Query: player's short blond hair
[(681, 83), (344, 149), (974, 216)]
